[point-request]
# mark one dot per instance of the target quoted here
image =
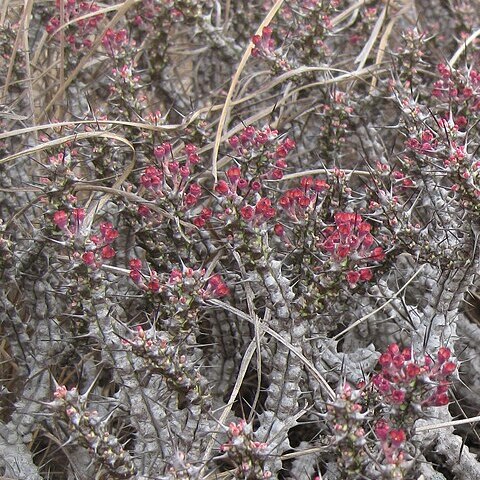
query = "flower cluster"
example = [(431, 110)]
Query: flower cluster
[(297, 202), (99, 246), (463, 89), (350, 245), (444, 140), (115, 42), (171, 181), (264, 44), (393, 400), (83, 25), (199, 187), (89, 429), (244, 453), (182, 286), (392, 445), (81, 32), (347, 416), (263, 150), (69, 223), (405, 387), (261, 156), (409, 385), (163, 358), (203, 218)]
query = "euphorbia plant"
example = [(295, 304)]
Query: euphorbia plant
[(220, 221)]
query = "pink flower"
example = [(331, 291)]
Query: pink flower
[(135, 264), (449, 368), (89, 258), (352, 278), (397, 437), (154, 284), (385, 360), (443, 354), (222, 187), (216, 287), (365, 274), (381, 429), (398, 396), (412, 370), (78, 214), (107, 252), (234, 174), (135, 275), (279, 230), (144, 211), (263, 205), (60, 218), (247, 212)]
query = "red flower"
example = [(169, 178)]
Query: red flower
[(412, 370), (365, 274), (144, 211), (89, 258), (443, 354), (135, 275), (279, 230), (385, 360), (199, 222), (107, 252), (135, 264), (449, 368), (381, 429), (397, 437), (195, 189), (60, 218), (353, 277), (78, 214), (247, 212), (222, 187), (217, 287), (190, 200), (398, 396), (234, 174)]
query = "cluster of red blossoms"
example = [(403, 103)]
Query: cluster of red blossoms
[(350, 242), (253, 141), (398, 394), (69, 223), (81, 33), (392, 443), (236, 184), (236, 189), (260, 156), (264, 45), (414, 384), (406, 386), (101, 246), (172, 178), (98, 246), (116, 41), (464, 89), (181, 286), (297, 201)]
